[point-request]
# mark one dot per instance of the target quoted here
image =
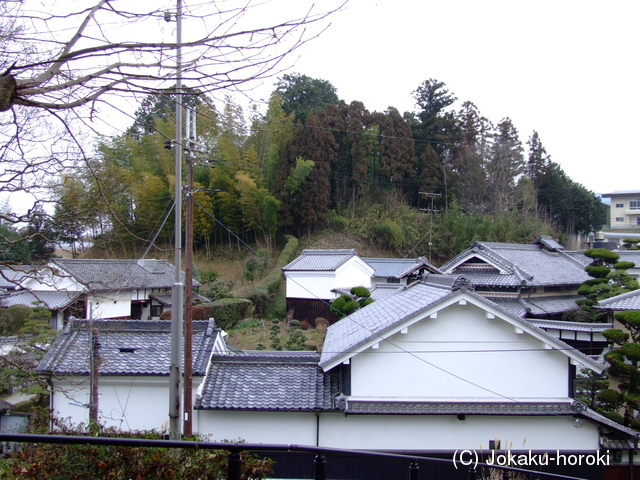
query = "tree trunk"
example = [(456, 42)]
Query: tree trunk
[(7, 92)]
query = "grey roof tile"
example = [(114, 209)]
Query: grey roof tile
[(320, 260), (398, 267), (459, 408), (379, 316), (54, 300), (102, 275), (274, 381), (626, 301), (518, 264), (128, 347)]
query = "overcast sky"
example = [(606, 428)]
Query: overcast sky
[(568, 69)]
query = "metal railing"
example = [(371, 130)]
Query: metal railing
[(234, 462)]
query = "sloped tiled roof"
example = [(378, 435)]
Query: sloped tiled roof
[(519, 264), (626, 301), (274, 381), (53, 300), (629, 256), (11, 276), (398, 267), (460, 408), (570, 326), (379, 316), (102, 275), (320, 260), (128, 347), (370, 323)]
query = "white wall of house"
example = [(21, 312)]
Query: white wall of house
[(45, 281), (460, 344), (318, 284), (258, 427), (625, 210), (125, 402), (399, 432), (446, 432), (115, 304)]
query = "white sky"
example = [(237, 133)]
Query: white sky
[(568, 69)]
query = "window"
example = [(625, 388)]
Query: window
[(638, 221), (619, 205), (619, 219), (393, 280), (156, 310), (634, 204)]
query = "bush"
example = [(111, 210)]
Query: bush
[(216, 291), (254, 268), (389, 233), (322, 324), (13, 319), (34, 461), (227, 312), (337, 222)]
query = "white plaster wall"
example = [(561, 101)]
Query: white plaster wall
[(258, 427), (354, 273), (399, 432), (48, 282), (461, 353), (310, 285), (446, 432), (126, 403), (109, 304)]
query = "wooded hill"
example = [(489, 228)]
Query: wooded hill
[(419, 183)]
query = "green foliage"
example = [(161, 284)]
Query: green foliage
[(298, 175), (623, 362), (337, 222), (227, 312), (389, 234), (296, 340), (254, 268), (360, 292), (597, 271), (347, 304), (35, 461), (623, 265), (216, 290), (13, 318), (602, 256)]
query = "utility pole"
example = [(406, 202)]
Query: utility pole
[(177, 290), (432, 196), (95, 375), (188, 270)]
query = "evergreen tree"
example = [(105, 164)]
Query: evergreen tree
[(504, 166), (302, 95)]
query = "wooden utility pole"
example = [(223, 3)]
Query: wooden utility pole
[(94, 359), (177, 289), (188, 271)]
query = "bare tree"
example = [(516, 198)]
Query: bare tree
[(72, 70)]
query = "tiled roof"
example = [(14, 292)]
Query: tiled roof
[(626, 301), (515, 306), (368, 324), (10, 276), (530, 265), (275, 381), (379, 316), (320, 260), (381, 291), (398, 267), (129, 347), (571, 326), (101, 275), (459, 408), (629, 256), (53, 300), (553, 304)]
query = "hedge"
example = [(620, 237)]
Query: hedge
[(227, 312)]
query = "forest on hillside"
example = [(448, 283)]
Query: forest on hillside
[(428, 181)]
